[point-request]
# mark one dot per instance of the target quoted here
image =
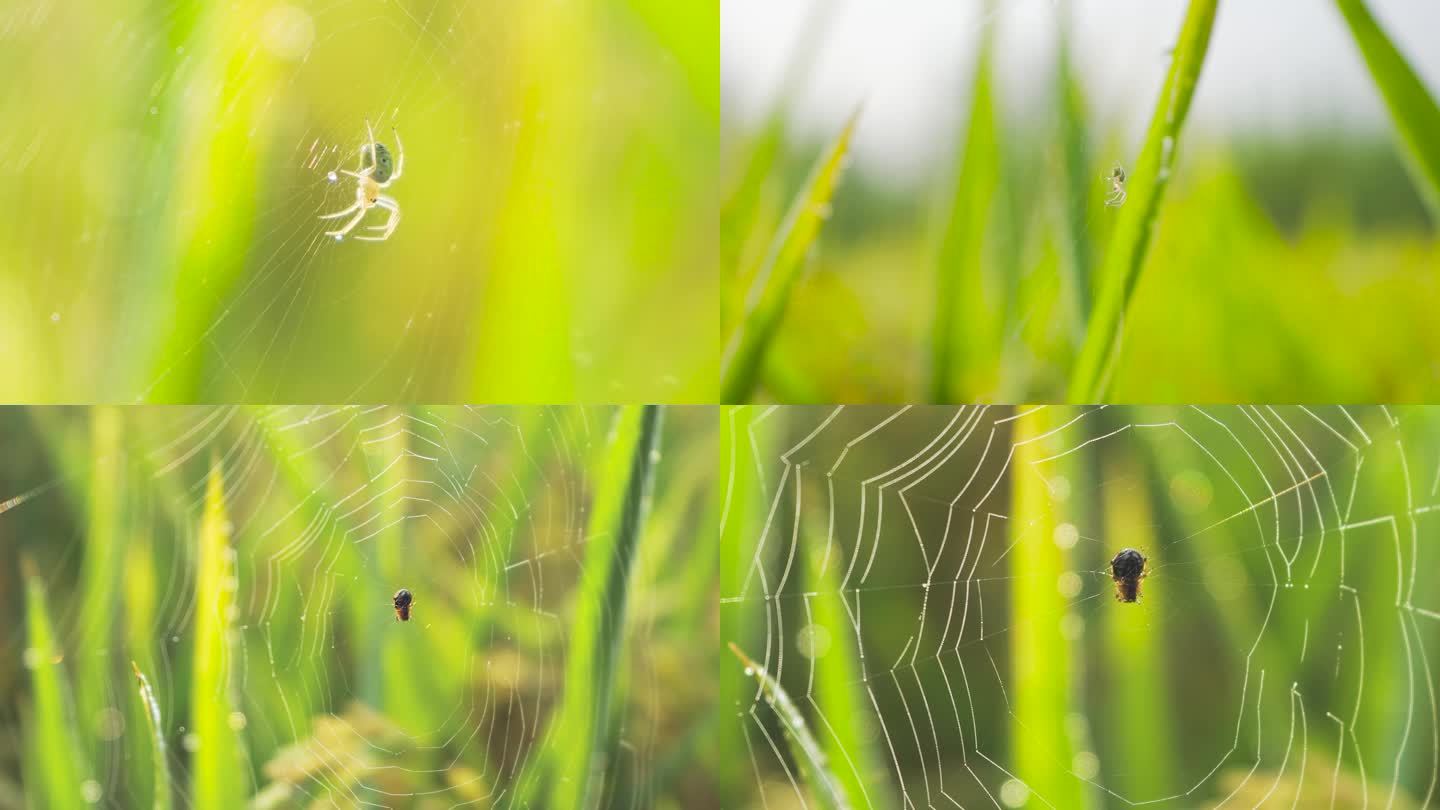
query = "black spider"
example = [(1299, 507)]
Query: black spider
[(1127, 569), (403, 600)]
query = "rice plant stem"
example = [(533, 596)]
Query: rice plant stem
[(1145, 189)]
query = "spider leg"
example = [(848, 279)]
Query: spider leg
[(389, 227), (359, 215), (374, 158), (399, 160), (339, 214), (361, 175)]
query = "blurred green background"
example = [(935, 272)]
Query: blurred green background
[(165, 165), (244, 560), (930, 588), (962, 254)]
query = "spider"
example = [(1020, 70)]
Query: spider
[(369, 180), (402, 601), (1116, 179), (1127, 569)]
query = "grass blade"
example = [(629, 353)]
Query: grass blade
[(219, 762), (1042, 659), (200, 262), (770, 292), (58, 759), (1145, 187), (311, 482), (1417, 118), (158, 753), (594, 660), (1078, 185), (811, 758), (1138, 687), (839, 694), (959, 313), (743, 214), (101, 572), (744, 440), (526, 298)]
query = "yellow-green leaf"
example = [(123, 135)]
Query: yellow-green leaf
[(764, 309)]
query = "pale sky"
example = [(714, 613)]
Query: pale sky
[(1272, 65)]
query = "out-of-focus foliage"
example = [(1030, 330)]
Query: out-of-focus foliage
[(165, 164)]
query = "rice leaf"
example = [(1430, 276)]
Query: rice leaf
[(742, 214), (960, 313), (809, 756), (158, 754), (594, 659), (742, 512), (839, 695), (200, 260), (218, 764), (526, 297), (100, 572), (1417, 118), (57, 759), (143, 296), (1042, 659), (1078, 186), (745, 348), (311, 481), (1138, 687), (1145, 188)]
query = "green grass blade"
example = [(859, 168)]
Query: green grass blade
[(1042, 659), (158, 753), (143, 296), (1079, 184), (218, 767), (958, 308), (814, 764), (741, 492), (1136, 677), (1417, 118), (770, 293), (309, 480), (58, 759), (849, 736), (1145, 187), (526, 298), (100, 573), (742, 214), (218, 199), (593, 665)]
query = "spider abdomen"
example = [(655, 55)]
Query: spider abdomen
[(402, 601), (384, 166), (1127, 569)]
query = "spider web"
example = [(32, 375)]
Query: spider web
[(481, 513), (1289, 605), (164, 222)]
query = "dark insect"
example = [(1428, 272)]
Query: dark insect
[(1127, 569), (403, 600)]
